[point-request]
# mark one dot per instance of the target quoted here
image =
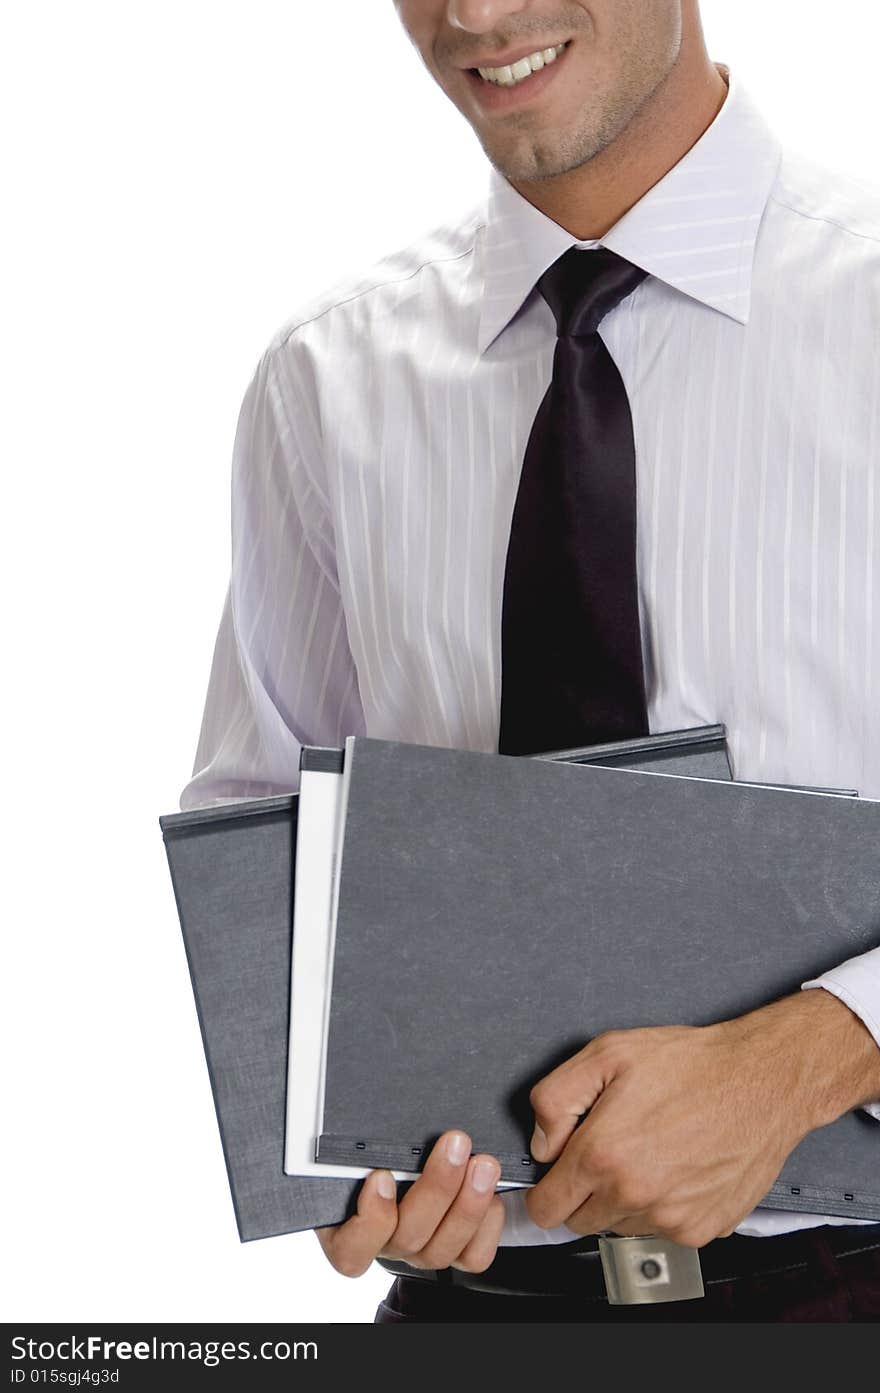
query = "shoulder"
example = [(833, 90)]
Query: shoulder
[(329, 345), (807, 191), (359, 299), (818, 252)]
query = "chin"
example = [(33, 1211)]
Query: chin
[(537, 163)]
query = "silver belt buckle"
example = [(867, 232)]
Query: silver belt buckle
[(648, 1268)]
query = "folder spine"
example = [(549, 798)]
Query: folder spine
[(669, 743), (321, 759)]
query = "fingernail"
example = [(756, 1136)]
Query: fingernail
[(458, 1148), (485, 1176), (538, 1142), (387, 1185)]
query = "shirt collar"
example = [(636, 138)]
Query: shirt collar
[(695, 229)]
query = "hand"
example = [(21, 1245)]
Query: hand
[(688, 1127), (450, 1217)]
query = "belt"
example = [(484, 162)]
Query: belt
[(574, 1269)]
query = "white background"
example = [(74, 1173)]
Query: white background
[(178, 176)]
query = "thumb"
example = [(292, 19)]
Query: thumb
[(352, 1245), (562, 1097)]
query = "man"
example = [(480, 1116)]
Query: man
[(382, 448)]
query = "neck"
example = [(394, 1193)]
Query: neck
[(589, 200)]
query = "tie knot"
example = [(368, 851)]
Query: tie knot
[(583, 286)]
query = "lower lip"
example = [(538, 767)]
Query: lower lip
[(494, 98)]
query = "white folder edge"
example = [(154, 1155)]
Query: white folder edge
[(318, 817), (320, 828)]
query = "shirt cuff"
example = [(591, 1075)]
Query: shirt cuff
[(857, 984)]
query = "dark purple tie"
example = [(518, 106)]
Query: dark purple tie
[(570, 641)]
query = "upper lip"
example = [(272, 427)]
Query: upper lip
[(513, 55)]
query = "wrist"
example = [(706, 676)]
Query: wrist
[(825, 1058), (852, 1055)]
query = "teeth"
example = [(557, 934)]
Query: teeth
[(511, 74)]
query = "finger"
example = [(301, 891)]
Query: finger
[(561, 1098), (596, 1215), (570, 1183), (630, 1226), (464, 1216), (429, 1199), (352, 1246), (480, 1251), (689, 1229)]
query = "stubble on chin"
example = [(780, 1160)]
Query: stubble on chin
[(534, 157)]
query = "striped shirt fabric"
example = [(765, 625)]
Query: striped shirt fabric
[(378, 450)]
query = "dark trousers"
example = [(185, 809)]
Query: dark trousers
[(828, 1286)]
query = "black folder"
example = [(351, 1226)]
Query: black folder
[(494, 913), (232, 869)]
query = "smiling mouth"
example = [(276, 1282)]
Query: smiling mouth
[(514, 74)]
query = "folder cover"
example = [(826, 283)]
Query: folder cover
[(232, 872), (494, 913)]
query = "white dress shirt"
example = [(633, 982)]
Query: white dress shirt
[(378, 452)]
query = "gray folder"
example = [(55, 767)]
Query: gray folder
[(232, 869), (495, 913)]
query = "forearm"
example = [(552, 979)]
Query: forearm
[(828, 1060)]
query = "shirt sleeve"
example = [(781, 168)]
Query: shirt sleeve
[(856, 982), (282, 673)]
